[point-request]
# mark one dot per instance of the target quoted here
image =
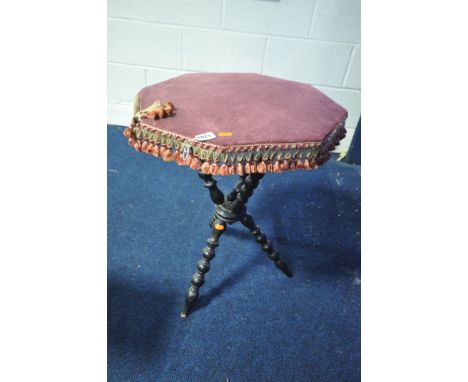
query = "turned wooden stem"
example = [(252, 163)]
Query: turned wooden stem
[(245, 190), (203, 266), (232, 195), (215, 193), (266, 245)]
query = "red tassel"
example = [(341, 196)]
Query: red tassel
[(205, 168), (307, 164), (292, 165), (223, 170), (159, 113), (195, 164), (277, 167), (240, 169), (261, 168), (213, 169), (247, 168), (284, 165), (188, 160), (137, 146), (168, 108), (149, 148), (269, 167), (180, 161), (231, 170), (127, 132), (322, 158), (167, 155), (156, 151), (176, 155), (144, 146), (299, 165), (253, 168), (131, 141)]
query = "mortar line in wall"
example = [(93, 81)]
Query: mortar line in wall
[(264, 55), (182, 48), (312, 19), (306, 38), (348, 68), (336, 87), (119, 102), (137, 66), (223, 7)]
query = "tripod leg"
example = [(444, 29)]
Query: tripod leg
[(267, 246), (203, 266), (232, 195)]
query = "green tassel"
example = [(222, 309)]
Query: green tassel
[(202, 154), (209, 154), (240, 156)]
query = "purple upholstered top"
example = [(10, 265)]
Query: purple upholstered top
[(257, 123), (256, 109)]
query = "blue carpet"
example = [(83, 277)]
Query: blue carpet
[(252, 322)]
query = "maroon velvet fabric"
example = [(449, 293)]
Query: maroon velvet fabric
[(256, 109)]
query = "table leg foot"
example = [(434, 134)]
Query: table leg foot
[(188, 304), (267, 246), (203, 266)]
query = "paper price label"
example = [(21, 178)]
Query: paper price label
[(205, 136)]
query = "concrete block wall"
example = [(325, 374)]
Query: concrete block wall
[(311, 41)]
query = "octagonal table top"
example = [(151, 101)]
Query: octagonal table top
[(227, 123)]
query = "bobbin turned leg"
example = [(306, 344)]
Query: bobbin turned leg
[(203, 266), (236, 189), (216, 195), (267, 246)]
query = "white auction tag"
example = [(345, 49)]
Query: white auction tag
[(205, 136), (186, 152)]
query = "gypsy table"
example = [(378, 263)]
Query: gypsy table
[(228, 124)]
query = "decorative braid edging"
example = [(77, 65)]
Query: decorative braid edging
[(236, 159)]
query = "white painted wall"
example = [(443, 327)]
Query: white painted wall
[(312, 41)]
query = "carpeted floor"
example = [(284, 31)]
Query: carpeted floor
[(252, 322)]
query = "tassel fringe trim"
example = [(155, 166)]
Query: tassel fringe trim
[(231, 160)]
